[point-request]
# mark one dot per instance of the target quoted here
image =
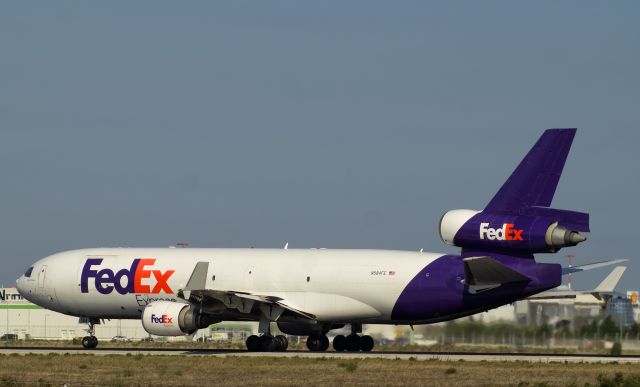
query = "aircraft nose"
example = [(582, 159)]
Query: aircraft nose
[(22, 283), (19, 284)]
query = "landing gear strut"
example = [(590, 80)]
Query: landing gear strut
[(90, 341), (353, 342)]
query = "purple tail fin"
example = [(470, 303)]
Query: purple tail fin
[(534, 181)]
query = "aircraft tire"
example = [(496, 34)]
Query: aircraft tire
[(366, 343), (267, 343), (314, 343), (89, 342), (339, 343), (353, 343), (253, 343), (281, 343), (324, 341)]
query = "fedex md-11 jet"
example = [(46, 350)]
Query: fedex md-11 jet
[(310, 292)]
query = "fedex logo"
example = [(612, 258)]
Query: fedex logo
[(506, 233), (106, 281), (164, 319)]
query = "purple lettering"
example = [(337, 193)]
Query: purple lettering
[(87, 272), (104, 281)]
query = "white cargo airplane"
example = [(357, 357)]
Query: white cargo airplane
[(310, 292)]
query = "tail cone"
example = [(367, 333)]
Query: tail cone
[(575, 238)]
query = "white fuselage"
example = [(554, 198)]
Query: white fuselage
[(333, 285)]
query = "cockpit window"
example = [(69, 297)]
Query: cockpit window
[(27, 274)]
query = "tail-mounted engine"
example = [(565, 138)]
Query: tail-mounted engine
[(166, 318), (536, 230)]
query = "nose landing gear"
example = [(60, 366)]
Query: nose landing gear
[(90, 341)]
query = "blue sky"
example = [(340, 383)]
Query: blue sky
[(322, 124)]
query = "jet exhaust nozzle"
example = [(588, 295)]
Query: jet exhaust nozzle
[(559, 236)]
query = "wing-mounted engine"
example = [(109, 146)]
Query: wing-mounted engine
[(535, 230), (167, 318)]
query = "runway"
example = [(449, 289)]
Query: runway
[(450, 356)]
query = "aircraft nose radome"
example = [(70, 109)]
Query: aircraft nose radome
[(19, 285)]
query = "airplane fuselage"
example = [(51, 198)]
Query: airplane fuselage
[(338, 286)]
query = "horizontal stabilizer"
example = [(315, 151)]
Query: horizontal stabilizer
[(482, 271), (591, 266)]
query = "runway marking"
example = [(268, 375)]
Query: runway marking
[(452, 356)]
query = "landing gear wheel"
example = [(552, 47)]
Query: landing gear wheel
[(253, 343), (339, 343), (324, 341), (281, 343), (314, 343), (366, 343), (267, 343), (89, 342), (353, 343)]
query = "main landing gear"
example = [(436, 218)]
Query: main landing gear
[(90, 341), (353, 342), (267, 343)]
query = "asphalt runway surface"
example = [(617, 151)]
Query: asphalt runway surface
[(449, 356)]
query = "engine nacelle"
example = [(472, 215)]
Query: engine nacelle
[(525, 234), (166, 318)]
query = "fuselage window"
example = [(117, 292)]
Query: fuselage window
[(28, 272)]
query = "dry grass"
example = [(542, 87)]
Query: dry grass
[(158, 370)]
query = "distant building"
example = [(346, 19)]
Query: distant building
[(576, 311), (621, 309), (28, 320)]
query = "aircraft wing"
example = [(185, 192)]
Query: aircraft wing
[(604, 289), (309, 305)]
